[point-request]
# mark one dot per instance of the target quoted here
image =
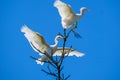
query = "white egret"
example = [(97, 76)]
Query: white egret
[(68, 17), (38, 43)]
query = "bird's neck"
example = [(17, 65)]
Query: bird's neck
[(81, 12), (80, 15), (54, 47), (56, 44)]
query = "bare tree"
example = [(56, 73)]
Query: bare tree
[(57, 62)]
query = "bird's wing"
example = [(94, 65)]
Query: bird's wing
[(64, 9), (35, 39), (69, 52)]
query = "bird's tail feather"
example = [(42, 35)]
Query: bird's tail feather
[(39, 61)]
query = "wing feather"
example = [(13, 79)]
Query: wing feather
[(69, 52), (35, 39), (64, 10)]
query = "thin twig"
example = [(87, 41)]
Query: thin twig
[(49, 73), (67, 77), (57, 63)]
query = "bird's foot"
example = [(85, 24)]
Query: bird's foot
[(77, 35)]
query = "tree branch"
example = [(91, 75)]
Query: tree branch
[(57, 62)]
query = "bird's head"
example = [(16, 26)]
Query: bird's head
[(58, 37), (83, 9)]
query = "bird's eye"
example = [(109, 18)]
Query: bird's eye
[(59, 37)]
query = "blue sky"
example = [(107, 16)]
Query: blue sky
[(100, 29)]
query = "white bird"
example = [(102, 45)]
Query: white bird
[(38, 43), (68, 17)]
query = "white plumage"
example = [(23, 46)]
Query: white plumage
[(68, 17), (35, 39), (69, 52), (38, 43)]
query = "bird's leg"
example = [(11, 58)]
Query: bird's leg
[(77, 35), (65, 34), (76, 25)]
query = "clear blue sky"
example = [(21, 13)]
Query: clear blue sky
[(100, 31)]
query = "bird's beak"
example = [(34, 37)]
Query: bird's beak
[(88, 10), (60, 35), (63, 37)]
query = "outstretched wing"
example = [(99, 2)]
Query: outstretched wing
[(64, 10), (69, 52), (35, 39)]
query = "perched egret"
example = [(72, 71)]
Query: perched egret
[(39, 44), (68, 17)]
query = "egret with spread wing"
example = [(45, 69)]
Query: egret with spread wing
[(68, 17), (39, 44)]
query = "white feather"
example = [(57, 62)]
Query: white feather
[(38, 43), (69, 52), (68, 17)]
